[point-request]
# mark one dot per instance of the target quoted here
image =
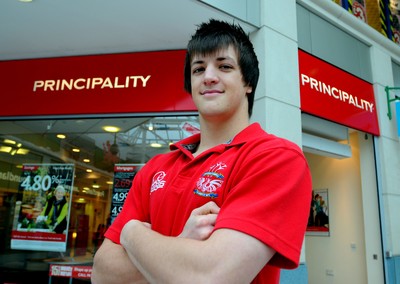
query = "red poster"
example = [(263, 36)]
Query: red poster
[(331, 93)]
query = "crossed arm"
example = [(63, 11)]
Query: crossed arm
[(225, 256)]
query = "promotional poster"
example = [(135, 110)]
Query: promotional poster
[(123, 177), (43, 206)]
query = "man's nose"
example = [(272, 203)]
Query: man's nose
[(210, 75)]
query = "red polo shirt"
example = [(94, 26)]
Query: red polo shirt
[(261, 182)]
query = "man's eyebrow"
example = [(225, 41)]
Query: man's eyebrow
[(199, 61), (220, 58)]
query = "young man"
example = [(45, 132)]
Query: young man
[(214, 209)]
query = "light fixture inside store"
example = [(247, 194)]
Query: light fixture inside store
[(61, 136), (96, 186), (156, 145), (151, 127), (86, 160), (112, 129), (9, 141), (5, 149), (89, 170), (76, 150)]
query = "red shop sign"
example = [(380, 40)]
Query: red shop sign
[(331, 93), (95, 84)]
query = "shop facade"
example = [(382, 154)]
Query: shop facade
[(323, 85)]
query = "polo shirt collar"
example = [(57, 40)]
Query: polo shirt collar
[(190, 143)]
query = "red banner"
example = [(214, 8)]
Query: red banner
[(331, 93), (97, 84)]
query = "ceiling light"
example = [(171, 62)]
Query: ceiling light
[(96, 186), (5, 149), (89, 170), (22, 151), (86, 160), (156, 145), (110, 182), (76, 150), (61, 136), (9, 141), (111, 128)]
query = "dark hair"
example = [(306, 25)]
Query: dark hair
[(214, 35)]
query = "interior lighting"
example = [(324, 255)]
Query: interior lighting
[(156, 145), (76, 150), (5, 149), (96, 186), (89, 170), (9, 141), (110, 182), (86, 160), (61, 136), (112, 129), (22, 151)]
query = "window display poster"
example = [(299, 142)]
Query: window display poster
[(318, 221), (123, 177), (43, 206)]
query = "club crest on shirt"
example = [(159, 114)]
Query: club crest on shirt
[(209, 182), (158, 181)]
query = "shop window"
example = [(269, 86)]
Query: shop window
[(93, 147)]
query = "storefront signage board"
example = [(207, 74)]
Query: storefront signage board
[(34, 227), (331, 93), (95, 84)]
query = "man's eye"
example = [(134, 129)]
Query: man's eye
[(197, 70), (225, 67)]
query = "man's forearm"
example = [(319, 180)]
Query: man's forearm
[(112, 265), (228, 256)]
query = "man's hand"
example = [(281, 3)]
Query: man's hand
[(201, 222)]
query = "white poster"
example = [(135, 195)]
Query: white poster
[(43, 207)]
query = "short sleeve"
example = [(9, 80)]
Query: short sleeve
[(269, 199)]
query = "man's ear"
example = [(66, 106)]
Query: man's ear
[(249, 89)]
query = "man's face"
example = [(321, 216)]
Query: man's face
[(218, 89)]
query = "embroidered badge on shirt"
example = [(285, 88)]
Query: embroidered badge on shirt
[(158, 181), (210, 181)]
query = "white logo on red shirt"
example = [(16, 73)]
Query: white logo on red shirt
[(210, 181), (158, 181)]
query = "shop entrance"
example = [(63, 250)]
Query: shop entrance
[(342, 243)]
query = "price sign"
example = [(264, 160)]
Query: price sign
[(123, 177), (32, 229)]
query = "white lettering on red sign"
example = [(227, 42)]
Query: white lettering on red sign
[(336, 93), (91, 83)]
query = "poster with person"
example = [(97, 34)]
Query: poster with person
[(42, 210), (318, 221)]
